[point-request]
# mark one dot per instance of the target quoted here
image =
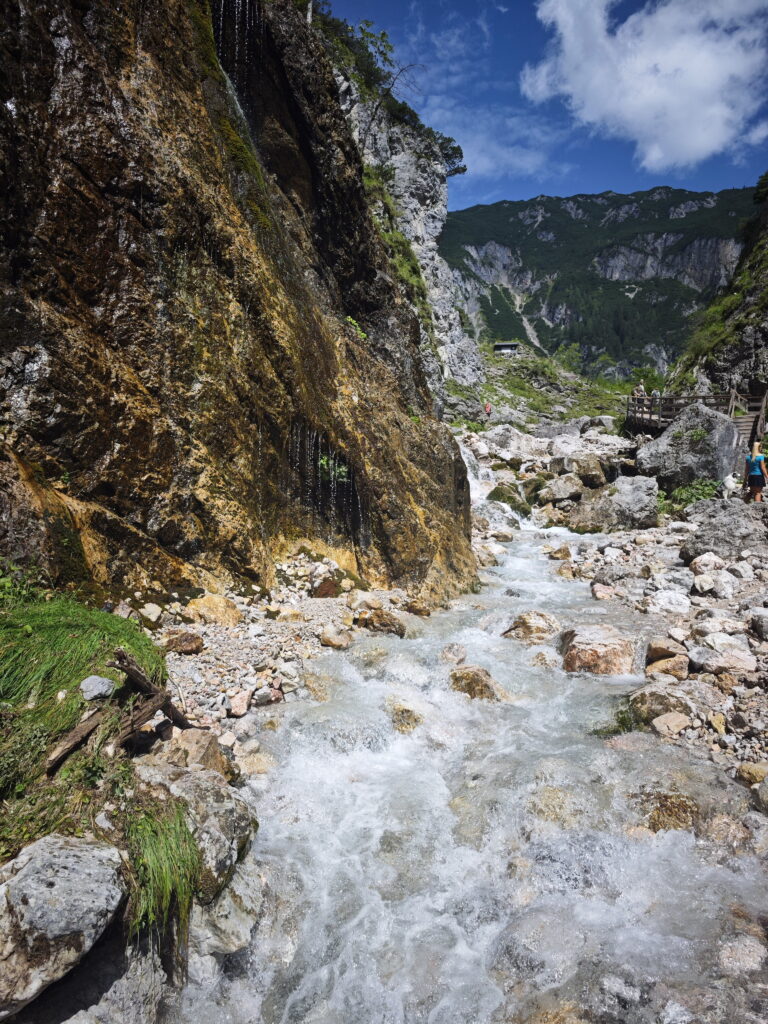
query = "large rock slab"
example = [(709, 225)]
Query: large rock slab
[(225, 926), (726, 528), (733, 660), (563, 488), (56, 899), (668, 602), (601, 650), (197, 746), (221, 822), (700, 444), (587, 468), (629, 503), (655, 700)]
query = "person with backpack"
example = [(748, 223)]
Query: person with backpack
[(755, 474)]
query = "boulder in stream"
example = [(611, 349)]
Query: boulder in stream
[(563, 488), (534, 627), (629, 503), (379, 620), (601, 650), (477, 683)]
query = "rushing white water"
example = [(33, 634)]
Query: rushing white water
[(481, 478), (489, 865)]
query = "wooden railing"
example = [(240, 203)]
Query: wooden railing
[(655, 413), (748, 412)]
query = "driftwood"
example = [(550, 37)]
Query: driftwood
[(137, 677), (73, 740), (154, 699), (140, 713)]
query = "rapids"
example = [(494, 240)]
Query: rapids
[(493, 865)]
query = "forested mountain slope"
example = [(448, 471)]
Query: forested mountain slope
[(615, 275)]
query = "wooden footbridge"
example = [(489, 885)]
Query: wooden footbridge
[(653, 415)]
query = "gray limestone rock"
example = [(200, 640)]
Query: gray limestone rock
[(563, 488), (97, 688), (420, 191), (726, 528), (225, 926), (700, 444), (56, 899), (631, 502)]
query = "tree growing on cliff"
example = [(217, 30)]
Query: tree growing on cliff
[(368, 57)]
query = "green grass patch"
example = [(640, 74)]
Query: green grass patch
[(165, 868), (48, 647), (679, 499)]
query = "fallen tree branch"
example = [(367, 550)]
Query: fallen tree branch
[(75, 738), (139, 679), (140, 713), (156, 699)]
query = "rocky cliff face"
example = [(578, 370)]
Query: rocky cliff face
[(418, 186), (181, 393), (729, 348), (616, 275)]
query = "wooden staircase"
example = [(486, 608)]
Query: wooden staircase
[(748, 413)]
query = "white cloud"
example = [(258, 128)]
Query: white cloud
[(682, 79), (499, 141)]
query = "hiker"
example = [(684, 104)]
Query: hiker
[(755, 474), (639, 391), (488, 409)]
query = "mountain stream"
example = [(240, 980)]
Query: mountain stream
[(495, 864)]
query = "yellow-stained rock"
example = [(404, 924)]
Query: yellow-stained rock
[(717, 720), (752, 773), (477, 683), (676, 666), (404, 719), (534, 627), (214, 609)]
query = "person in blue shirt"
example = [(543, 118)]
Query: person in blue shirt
[(755, 474)]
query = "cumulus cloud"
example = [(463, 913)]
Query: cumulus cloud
[(682, 79), (499, 141)]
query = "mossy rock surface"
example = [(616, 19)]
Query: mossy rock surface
[(509, 494)]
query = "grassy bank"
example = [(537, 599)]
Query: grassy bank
[(49, 643)]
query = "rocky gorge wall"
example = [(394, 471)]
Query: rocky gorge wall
[(729, 348), (182, 393), (418, 186)]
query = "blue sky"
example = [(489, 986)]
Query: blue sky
[(568, 96)]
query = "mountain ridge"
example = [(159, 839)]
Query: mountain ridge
[(615, 274)]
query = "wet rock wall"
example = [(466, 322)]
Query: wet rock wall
[(182, 394)]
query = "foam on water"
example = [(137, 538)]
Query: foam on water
[(487, 861)]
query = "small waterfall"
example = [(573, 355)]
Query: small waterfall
[(481, 479), (238, 27)]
